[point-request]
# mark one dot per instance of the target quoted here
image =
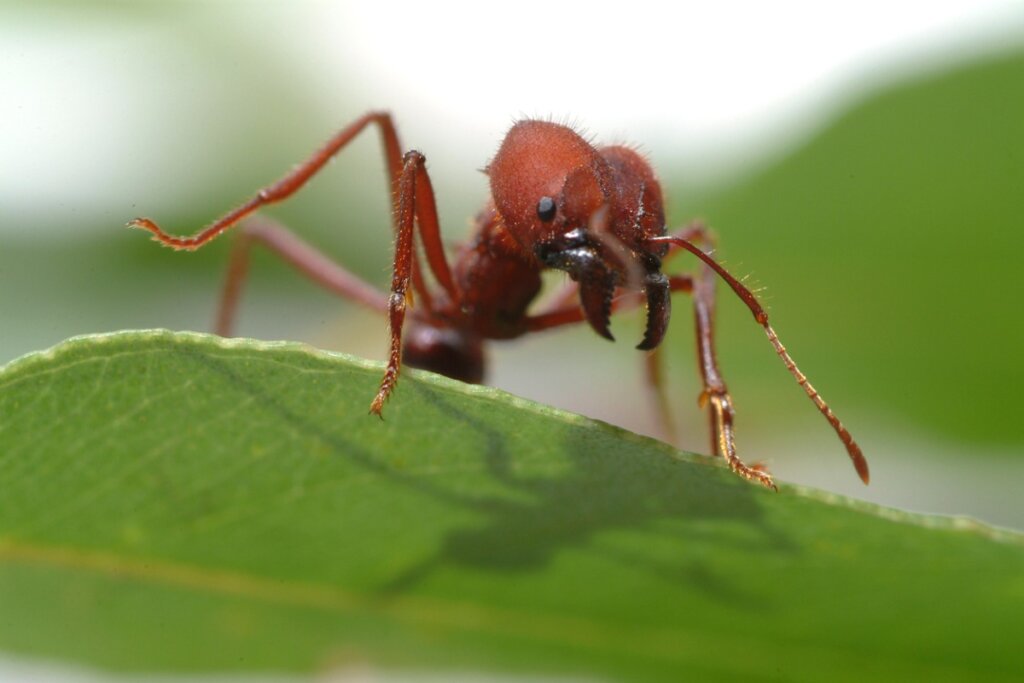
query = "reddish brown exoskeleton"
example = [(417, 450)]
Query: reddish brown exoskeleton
[(556, 202)]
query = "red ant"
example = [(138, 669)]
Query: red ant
[(556, 202)]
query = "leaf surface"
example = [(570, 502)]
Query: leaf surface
[(176, 502)]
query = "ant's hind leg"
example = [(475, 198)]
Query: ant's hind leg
[(306, 259), (290, 183)]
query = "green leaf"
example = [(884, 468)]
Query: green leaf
[(177, 502)]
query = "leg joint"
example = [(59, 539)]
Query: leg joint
[(413, 157)]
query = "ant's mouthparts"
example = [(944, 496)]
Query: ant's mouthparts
[(659, 309)]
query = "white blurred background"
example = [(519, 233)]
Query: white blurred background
[(712, 87), (178, 110)]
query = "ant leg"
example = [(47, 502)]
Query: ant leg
[(289, 184), (414, 206), (721, 411), (259, 229), (715, 395), (297, 178), (720, 417)]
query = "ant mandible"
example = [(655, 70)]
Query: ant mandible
[(556, 202)]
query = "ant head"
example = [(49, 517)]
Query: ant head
[(572, 207), (545, 180)]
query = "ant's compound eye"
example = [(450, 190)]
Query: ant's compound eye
[(546, 209)]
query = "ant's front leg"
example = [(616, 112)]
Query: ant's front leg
[(715, 396), (720, 403), (414, 206)]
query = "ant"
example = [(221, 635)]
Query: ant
[(556, 201)]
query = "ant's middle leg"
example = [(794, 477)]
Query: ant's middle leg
[(306, 259)]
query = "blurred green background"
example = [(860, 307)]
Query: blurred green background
[(886, 233)]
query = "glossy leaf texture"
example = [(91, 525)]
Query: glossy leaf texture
[(180, 503)]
